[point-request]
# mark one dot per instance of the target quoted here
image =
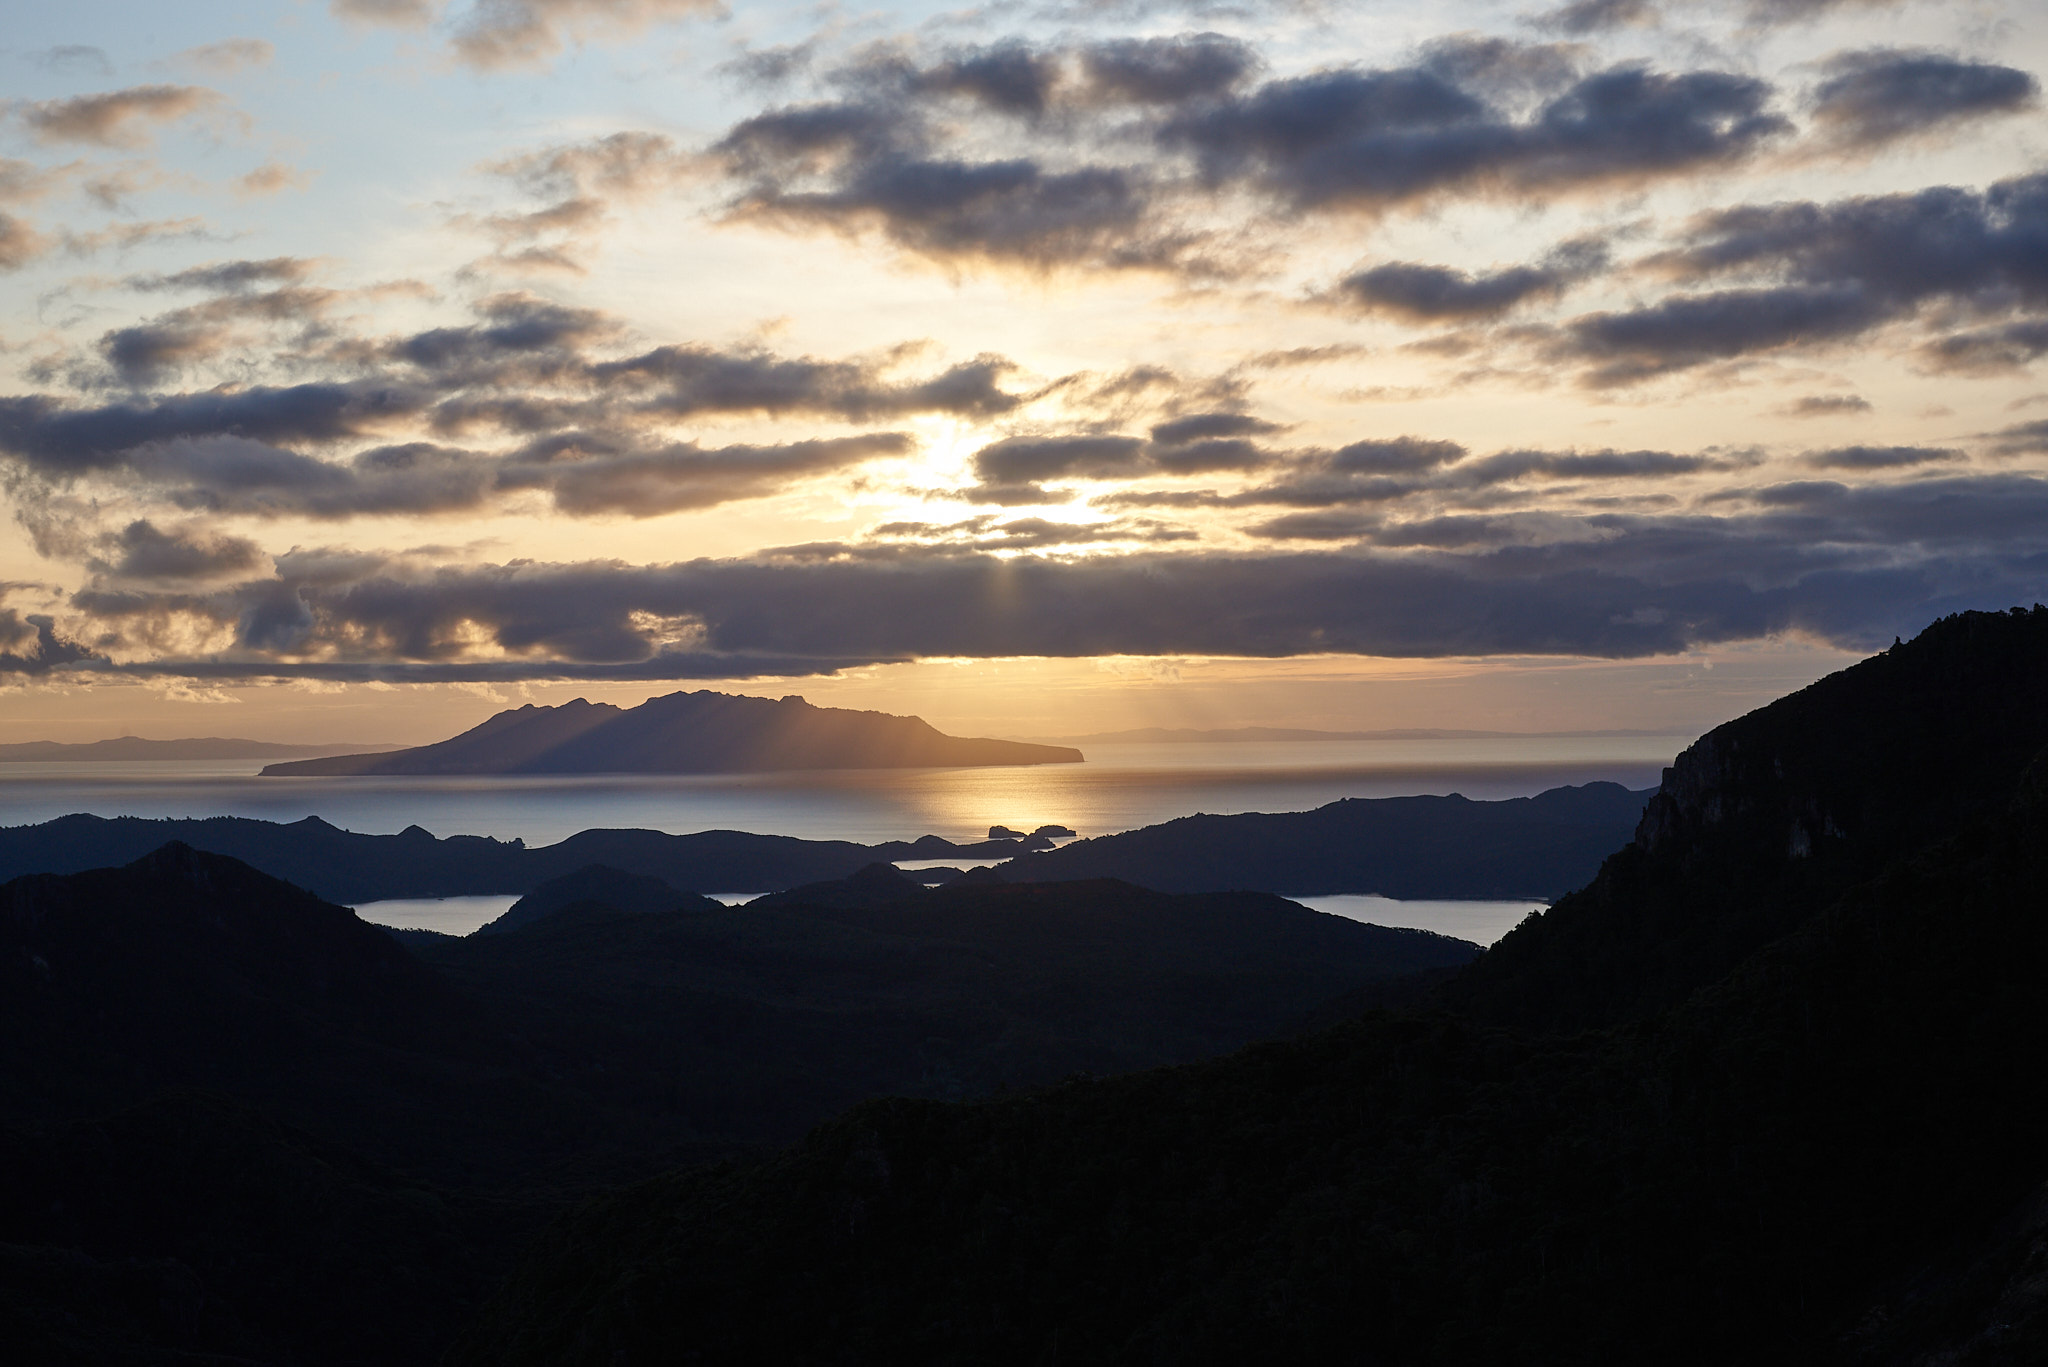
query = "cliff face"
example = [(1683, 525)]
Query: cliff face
[(688, 733), (1765, 820)]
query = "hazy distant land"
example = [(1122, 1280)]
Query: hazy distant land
[(126, 748)]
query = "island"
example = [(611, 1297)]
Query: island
[(688, 733)]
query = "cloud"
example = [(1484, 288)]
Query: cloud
[(20, 243), (1826, 406), (674, 478), (1427, 294), (1598, 16), (73, 58), (1104, 154), (577, 184), (988, 533), (1012, 470), (395, 13), (1851, 565), (1372, 140), (226, 57), (1167, 70), (118, 118), (272, 177), (1988, 351), (52, 652), (141, 550), (1880, 457), (1835, 271), (147, 353), (1885, 95), (501, 34), (2028, 438)]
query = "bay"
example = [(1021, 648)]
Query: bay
[(1480, 922)]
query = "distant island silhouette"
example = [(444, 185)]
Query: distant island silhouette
[(197, 747), (688, 733)]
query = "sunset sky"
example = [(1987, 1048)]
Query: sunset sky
[(369, 365)]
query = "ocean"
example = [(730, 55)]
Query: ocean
[(1121, 787)]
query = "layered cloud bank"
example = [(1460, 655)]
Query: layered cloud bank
[(1589, 334)]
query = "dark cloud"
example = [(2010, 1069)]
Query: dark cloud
[(227, 277), (1599, 16), (1327, 525), (1880, 457), (1675, 334), (989, 533), (1826, 406), (50, 651), (2028, 438), (1850, 564), (151, 352), (1010, 77), (589, 431), (117, 118), (1986, 351), (1014, 210), (1427, 294), (1012, 470), (1166, 71), (674, 478), (1028, 460), (1373, 139), (1201, 427), (142, 550), (1836, 271), (1394, 456), (1884, 95), (679, 381), (901, 151)]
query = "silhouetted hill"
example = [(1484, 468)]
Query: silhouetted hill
[(756, 1021), (348, 867), (1830, 1149), (372, 1079), (1541, 846), (688, 733), (612, 888), (1764, 821), (1401, 847)]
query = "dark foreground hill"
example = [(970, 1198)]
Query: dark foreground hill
[(1811, 1129), (688, 733), (237, 1120), (1543, 847)]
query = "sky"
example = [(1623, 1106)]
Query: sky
[(370, 365)]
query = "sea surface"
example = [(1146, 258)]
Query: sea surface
[(1121, 787)]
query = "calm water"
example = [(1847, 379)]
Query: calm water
[(1121, 787), (1480, 922)]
